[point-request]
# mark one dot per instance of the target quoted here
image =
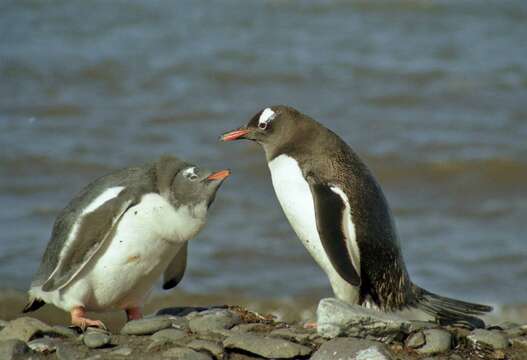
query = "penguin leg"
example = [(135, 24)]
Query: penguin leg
[(134, 313), (79, 319)]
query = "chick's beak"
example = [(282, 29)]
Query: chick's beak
[(219, 175), (234, 135)]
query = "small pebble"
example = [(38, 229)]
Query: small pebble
[(437, 341), (44, 345), (122, 351), (213, 321), (415, 340), (96, 339), (213, 347)]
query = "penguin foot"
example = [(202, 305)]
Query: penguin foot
[(310, 325), (134, 313), (78, 319)]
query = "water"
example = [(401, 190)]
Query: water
[(432, 94)]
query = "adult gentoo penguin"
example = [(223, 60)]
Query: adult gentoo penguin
[(339, 212), (119, 234)]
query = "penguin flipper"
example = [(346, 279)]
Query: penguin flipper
[(329, 213), (176, 269), (94, 229)]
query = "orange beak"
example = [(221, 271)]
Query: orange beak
[(219, 175), (234, 135)]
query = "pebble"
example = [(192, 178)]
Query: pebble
[(213, 347), (415, 340), (169, 335), (3, 323), (520, 341), (266, 346), (68, 352), (352, 348), (12, 349), (437, 341), (495, 339), (214, 320), (122, 351), (146, 326), (336, 317), (44, 345), (25, 329), (186, 354), (96, 339)]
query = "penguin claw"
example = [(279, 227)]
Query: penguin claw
[(78, 319), (310, 325)]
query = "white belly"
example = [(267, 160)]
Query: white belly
[(294, 194), (146, 240)]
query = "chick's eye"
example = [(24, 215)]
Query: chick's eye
[(193, 177)]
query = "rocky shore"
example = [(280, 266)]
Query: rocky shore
[(232, 332)]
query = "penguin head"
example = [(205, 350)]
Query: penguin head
[(186, 184), (270, 127)]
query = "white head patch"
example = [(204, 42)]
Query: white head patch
[(191, 171), (266, 116)]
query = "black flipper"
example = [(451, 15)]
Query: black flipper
[(176, 269), (33, 304), (329, 213), (450, 311)]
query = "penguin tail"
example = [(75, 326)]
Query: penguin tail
[(33, 304), (450, 311)]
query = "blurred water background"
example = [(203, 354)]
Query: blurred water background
[(432, 94)]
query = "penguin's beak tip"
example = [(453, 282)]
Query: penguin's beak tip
[(219, 175), (234, 135)]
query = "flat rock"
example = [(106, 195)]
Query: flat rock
[(146, 326), (496, 339), (186, 310), (213, 347), (96, 339), (12, 349), (169, 335), (44, 345), (186, 354), (352, 349), (25, 329), (293, 334), (335, 317), (213, 320), (69, 352), (266, 346), (436, 341)]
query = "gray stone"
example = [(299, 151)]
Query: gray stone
[(13, 348), (169, 335), (186, 354), (25, 329), (519, 341), (213, 320), (415, 340), (157, 345), (335, 317), (44, 345), (256, 327), (65, 331), (184, 311), (515, 332), (213, 347), (437, 341), (266, 346), (496, 339), (68, 352), (96, 339), (298, 335), (352, 349), (3, 323), (146, 326), (122, 351)]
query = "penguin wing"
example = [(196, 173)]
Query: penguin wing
[(176, 269), (332, 215), (89, 233)]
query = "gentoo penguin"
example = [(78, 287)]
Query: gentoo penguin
[(119, 234), (339, 212)]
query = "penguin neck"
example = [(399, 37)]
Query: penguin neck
[(191, 219)]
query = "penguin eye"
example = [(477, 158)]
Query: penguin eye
[(262, 125), (191, 173)]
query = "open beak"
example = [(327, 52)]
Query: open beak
[(219, 175), (234, 135)]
